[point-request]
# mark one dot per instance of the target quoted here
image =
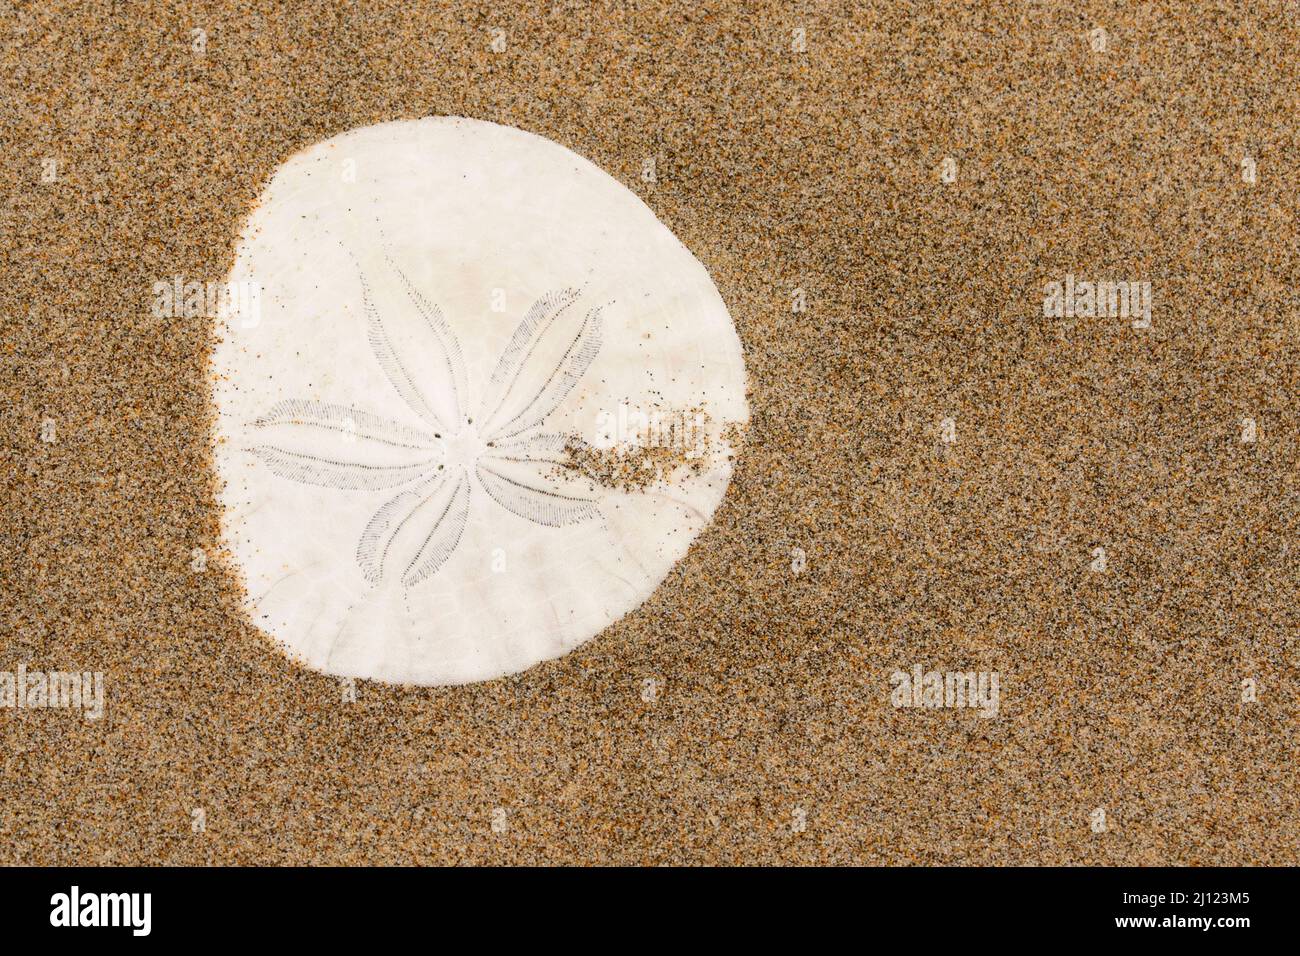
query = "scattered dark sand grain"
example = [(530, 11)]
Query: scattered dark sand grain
[(675, 445), (742, 714)]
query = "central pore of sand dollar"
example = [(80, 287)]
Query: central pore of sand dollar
[(420, 484)]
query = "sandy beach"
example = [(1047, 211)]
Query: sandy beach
[(939, 475)]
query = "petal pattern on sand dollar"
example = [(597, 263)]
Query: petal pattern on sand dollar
[(313, 469), (535, 502), (413, 534), (514, 357), (556, 352), (414, 347), (377, 538), (347, 423), (542, 447), (442, 537)]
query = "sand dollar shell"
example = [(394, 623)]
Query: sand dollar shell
[(474, 401)]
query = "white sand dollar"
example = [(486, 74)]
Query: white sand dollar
[(483, 404)]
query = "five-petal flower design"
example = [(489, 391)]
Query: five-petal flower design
[(438, 462)]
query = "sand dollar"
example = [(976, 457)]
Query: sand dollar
[(474, 401)]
